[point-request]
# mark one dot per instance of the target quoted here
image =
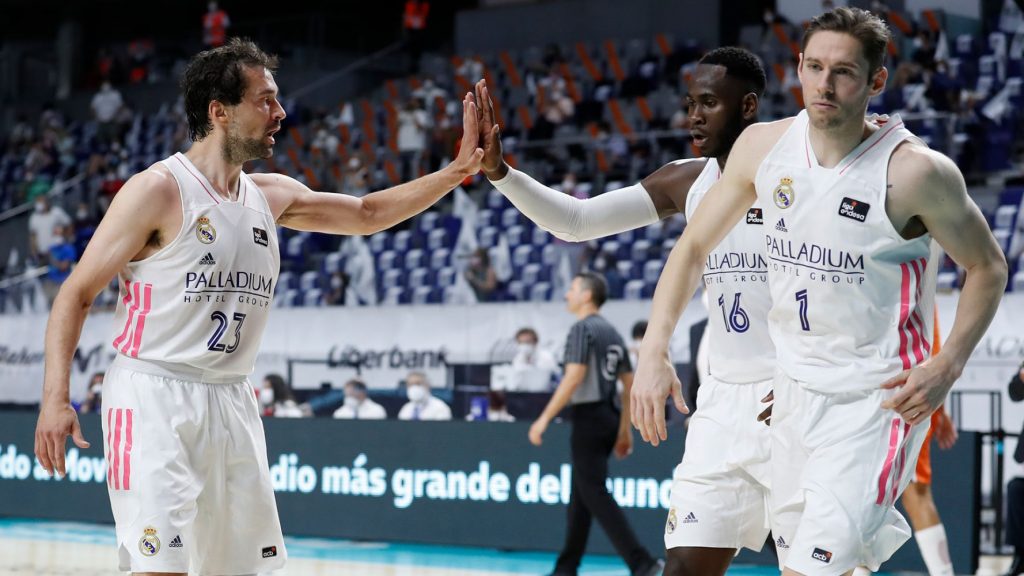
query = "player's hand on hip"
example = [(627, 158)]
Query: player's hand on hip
[(467, 163), (922, 390), (655, 380), (56, 423), (537, 432), (766, 414), (490, 133)]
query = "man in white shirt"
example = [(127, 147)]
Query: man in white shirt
[(106, 104), (41, 225), (358, 405), (533, 368), (422, 405)]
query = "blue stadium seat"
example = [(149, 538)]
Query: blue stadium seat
[(1018, 281), (380, 242), (419, 277), (509, 218), (309, 280), (1006, 215), (488, 237), (313, 298), (437, 238), (485, 218), (946, 281), (654, 232), (626, 237), (439, 258), (414, 259), (427, 221), (387, 260), (516, 290), (640, 251), (334, 262), (421, 295), (549, 255), (666, 247), (403, 241), (652, 270), (393, 295), (531, 274), (522, 256), (634, 290), (539, 237), (286, 281), (392, 278), (625, 268), (446, 276), (540, 292), (515, 235), (495, 200)]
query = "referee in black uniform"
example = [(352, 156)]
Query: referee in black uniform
[(595, 357)]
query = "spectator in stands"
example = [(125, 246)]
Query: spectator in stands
[(422, 404), (481, 276), (429, 92), (637, 334), (533, 369), (556, 107), (335, 295), (215, 25), (62, 257), (106, 107), (355, 177), (41, 225), (358, 405), (34, 186), (93, 395), (276, 398), (497, 408), (413, 123)]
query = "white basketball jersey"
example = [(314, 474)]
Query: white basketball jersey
[(740, 349), (202, 301), (853, 303)]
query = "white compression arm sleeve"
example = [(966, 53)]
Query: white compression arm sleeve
[(576, 220)]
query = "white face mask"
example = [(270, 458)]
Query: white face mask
[(416, 393), (40, 207), (96, 388), (266, 396), (526, 348)]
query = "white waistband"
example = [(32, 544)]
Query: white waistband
[(175, 371)]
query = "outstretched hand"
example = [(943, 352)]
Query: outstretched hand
[(467, 163), (493, 163)]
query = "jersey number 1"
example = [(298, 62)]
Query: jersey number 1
[(221, 319), (801, 298)]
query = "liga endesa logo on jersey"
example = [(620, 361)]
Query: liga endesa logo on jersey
[(854, 209)]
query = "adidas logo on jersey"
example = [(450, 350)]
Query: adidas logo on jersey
[(781, 225), (207, 260), (690, 519), (176, 543), (781, 544), (854, 209)]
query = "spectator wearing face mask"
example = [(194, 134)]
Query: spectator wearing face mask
[(276, 398), (41, 226), (93, 395), (358, 405), (533, 369), (422, 405)]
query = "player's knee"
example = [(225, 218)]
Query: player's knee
[(918, 491)]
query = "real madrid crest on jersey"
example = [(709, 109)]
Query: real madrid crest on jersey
[(784, 195), (205, 231), (670, 524), (149, 544)]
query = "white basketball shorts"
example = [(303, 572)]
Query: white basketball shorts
[(187, 474), (839, 463), (720, 489)]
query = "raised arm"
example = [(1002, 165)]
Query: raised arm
[(659, 195), (296, 206), (928, 186), (144, 211), (721, 208)]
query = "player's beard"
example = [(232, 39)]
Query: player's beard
[(239, 149)]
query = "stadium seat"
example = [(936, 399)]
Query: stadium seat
[(439, 258), (488, 237), (446, 277), (640, 251), (437, 238), (516, 290), (540, 292), (387, 260), (380, 242), (634, 290), (540, 237), (1018, 281), (509, 218), (421, 295), (309, 280), (419, 277), (1005, 216), (522, 256), (652, 271), (334, 262), (428, 221), (414, 259), (393, 295), (392, 278), (313, 298), (403, 241), (531, 274), (625, 269), (946, 281), (549, 255)]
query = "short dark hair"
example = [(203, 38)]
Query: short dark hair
[(357, 384), (282, 391), (870, 30), (741, 64), (639, 329), (597, 285), (218, 74), (527, 332)]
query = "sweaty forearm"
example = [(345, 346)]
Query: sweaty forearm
[(578, 220), (62, 333), (977, 305)]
